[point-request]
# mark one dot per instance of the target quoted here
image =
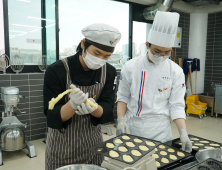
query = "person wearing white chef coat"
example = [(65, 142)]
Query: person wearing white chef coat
[(152, 88)]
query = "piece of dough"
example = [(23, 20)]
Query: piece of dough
[(156, 149), (136, 153), (195, 147), (130, 144), (143, 148), (209, 147), (204, 142), (212, 144), (99, 150), (126, 137), (150, 143), (194, 139), (173, 157), (122, 149), (138, 141), (162, 147), (113, 154), (163, 153), (127, 158), (199, 144), (181, 154), (157, 164), (119, 141), (180, 143), (155, 156), (171, 150), (165, 160), (110, 145)]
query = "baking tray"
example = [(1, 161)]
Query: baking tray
[(198, 141), (171, 162), (209, 164), (103, 150)]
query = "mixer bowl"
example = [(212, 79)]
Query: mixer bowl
[(12, 138), (81, 166), (209, 153)]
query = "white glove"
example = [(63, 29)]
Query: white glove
[(78, 98), (186, 143), (122, 126), (86, 108)]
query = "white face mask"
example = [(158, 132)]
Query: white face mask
[(93, 62), (157, 59)]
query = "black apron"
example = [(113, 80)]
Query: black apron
[(72, 145)]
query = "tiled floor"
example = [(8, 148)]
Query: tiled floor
[(209, 128)]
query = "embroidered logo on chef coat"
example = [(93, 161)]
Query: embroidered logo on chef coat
[(166, 78), (164, 89), (115, 80), (113, 42)]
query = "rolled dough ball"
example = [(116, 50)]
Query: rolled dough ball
[(171, 150), (138, 141), (110, 145), (136, 153), (195, 147), (119, 141), (163, 153), (212, 144), (204, 142), (181, 154), (122, 149), (143, 148), (113, 154), (130, 144), (157, 164), (173, 157), (162, 147), (199, 144), (209, 147), (155, 156), (156, 149), (194, 139), (127, 158), (126, 137), (165, 160), (180, 143), (150, 143)]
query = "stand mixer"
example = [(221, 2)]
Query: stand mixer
[(12, 135)]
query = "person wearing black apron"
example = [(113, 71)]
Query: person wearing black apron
[(73, 126)]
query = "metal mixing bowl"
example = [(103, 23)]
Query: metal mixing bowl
[(209, 153), (81, 167)]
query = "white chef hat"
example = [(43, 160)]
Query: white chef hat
[(164, 29), (102, 36)]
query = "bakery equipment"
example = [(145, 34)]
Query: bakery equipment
[(81, 167), (209, 153), (11, 129), (218, 99), (201, 143), (144, 161), (209, 164), (17, 63), (4, 62), (43, 63)]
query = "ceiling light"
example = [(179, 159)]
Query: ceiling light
[(43, 19), (26, 26), (35, 30), (23, 0), (22, 34)]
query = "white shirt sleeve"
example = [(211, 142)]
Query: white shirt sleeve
[(123, 93), (176, 100)]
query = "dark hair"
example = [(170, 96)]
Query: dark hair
[(149, 44), (79, 49)]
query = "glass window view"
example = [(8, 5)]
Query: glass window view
[(2, 42), (75, 15), (139, 39), (26, 27)]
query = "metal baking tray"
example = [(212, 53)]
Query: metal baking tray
[(204, 144), (103, 150), (209, 164), (171, 162)]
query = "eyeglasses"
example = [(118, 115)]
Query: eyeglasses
[(161, 55)]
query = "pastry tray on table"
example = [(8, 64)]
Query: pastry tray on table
[(201, 141), (209, 164)]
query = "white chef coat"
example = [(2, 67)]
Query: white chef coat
[(150, 89)]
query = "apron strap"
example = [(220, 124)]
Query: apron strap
[(103, 75)]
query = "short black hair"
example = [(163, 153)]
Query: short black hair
[(79, 49), (149, 45)]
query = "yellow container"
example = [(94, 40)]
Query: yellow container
[(194, 106)]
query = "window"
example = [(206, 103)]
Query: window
[(75, 15), (2, 38), (28, 23)]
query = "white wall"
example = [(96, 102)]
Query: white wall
[(197, 46), (2, 42)]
